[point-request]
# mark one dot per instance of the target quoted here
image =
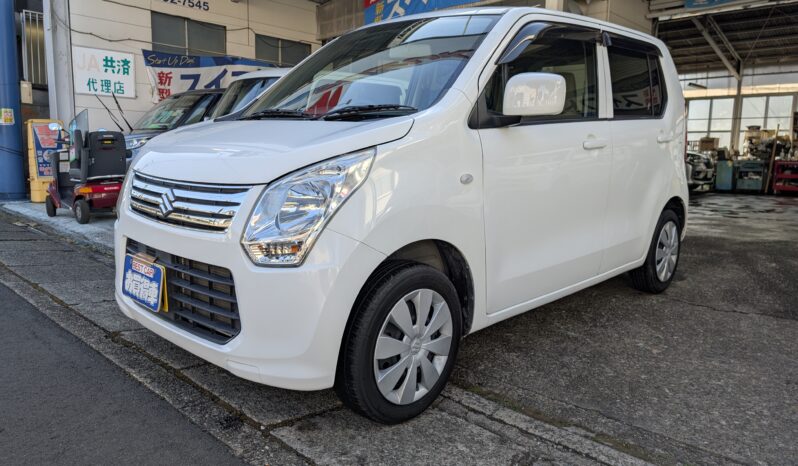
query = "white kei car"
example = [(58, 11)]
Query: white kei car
[(411, 182)]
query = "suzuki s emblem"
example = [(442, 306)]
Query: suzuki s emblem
[(166, 207)]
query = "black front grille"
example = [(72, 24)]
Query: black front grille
[(202, 297)]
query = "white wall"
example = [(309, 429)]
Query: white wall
[(127, 25), (627, 13)]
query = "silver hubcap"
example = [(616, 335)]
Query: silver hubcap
[(667, 251), (413, 346)]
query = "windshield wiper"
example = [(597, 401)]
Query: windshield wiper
[(277, 113), (364, 111)]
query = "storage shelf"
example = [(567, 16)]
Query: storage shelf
[(785, 174)]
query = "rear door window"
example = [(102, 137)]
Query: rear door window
[(637, 84)]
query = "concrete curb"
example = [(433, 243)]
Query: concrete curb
[(556, 435)]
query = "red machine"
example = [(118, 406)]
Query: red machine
[(89, 175)]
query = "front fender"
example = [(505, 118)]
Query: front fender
[(414, 192)]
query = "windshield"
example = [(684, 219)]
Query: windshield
[(167, 113), (404, 63), (240, 94), (81, 122)]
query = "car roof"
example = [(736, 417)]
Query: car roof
[(197, 91), (264, 73), (519, 12)]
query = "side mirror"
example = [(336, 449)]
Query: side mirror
[(63, 137), (534, 94)]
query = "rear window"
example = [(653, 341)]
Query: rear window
[(637, 84), (166, 113)]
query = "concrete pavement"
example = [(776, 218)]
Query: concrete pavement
[(703, 373), (259, 424)]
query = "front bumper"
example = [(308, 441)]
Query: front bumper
[(292, 319), (699, 175)]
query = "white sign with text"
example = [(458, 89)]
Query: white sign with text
[(104, 72)]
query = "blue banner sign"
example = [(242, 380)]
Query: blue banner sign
[(171, 73), (705, 3), (382, 10)]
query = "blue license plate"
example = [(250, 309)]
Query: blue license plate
[(144, 281)]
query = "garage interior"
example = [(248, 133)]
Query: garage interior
[(738, 63)]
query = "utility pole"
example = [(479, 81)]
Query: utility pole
[(12, 180), (58, 52)]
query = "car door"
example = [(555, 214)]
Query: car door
[(642, 136), (545, 178)]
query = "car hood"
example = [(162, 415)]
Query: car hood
[(258, 151)]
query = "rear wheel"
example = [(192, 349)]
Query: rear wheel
[(656, 273), (401, 345), (82, 211), (49, 206)]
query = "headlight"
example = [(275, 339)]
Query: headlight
[(136, 142), (291, 212)]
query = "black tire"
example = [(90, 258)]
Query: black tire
[(644, 278), (82, 211), (49, 206), (355, 378)]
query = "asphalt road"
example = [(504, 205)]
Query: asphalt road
[(62, 402)]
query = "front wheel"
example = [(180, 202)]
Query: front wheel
[(656, 273), (49, 206), (401, 345), (82, 211)]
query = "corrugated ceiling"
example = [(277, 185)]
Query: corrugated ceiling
[(762, 35)]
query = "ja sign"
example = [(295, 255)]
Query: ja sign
[(103, 72)]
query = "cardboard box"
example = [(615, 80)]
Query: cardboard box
[(708, 144)]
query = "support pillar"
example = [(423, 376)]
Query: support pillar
[(12, 178)]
